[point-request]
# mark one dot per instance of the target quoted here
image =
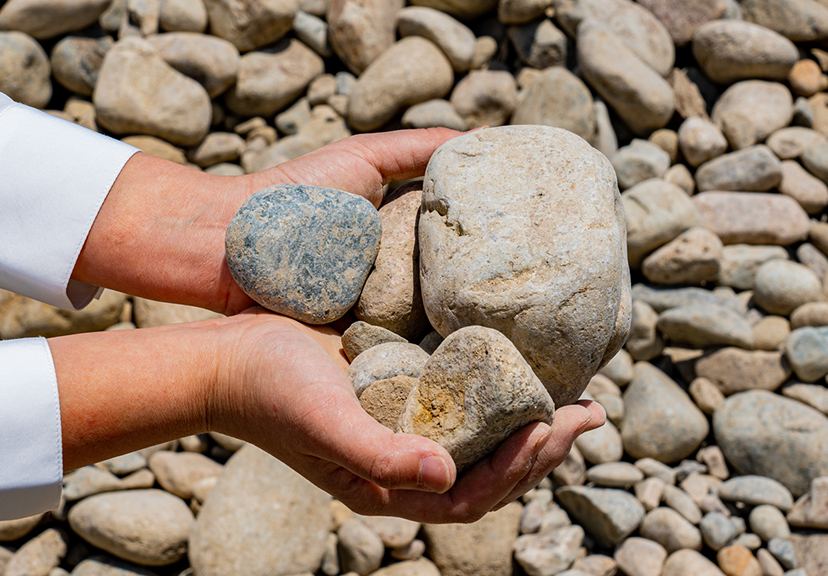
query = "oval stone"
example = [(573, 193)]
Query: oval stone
[(522, 230), (303, 251), (764, 433)]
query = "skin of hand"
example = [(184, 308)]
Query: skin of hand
[(258, 376)]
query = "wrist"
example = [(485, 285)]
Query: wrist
[(122, 391)]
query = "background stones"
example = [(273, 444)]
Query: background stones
[(525, 58)]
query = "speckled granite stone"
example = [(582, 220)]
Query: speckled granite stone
[(473, 393), (303, 251)]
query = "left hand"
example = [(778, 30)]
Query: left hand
[(160, 232)]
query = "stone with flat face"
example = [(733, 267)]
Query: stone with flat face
[(473, 393), (522, 230), (303, 251)]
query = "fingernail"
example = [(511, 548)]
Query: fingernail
[(476, 129), (586, 421), (434, 474)]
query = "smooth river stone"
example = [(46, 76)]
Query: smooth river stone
[(766, 434), (522, 230), (303, 251), (753, 217), (261, 518), (473, 393)]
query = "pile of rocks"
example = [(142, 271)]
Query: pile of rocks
[(715, 456)]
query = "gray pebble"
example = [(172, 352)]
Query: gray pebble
[(303, 251)]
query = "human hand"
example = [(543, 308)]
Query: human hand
[(160, 232), (299, 406)]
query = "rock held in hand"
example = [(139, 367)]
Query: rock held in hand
[(474, 392), (303, 251), (522, 231)]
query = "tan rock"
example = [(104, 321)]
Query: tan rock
[(473, 393), (217, 147), (689, 563), (734, 370), (733, 50), (682, 19), (753, 218), (137, 92), (182, 16), (738, 561), (688, 98), (251, 24), (22, 317), (386, 361), (485, 98), (452, 37), (706, 395), (771, 332), (15, 529), (750, 111), (179, 472), (789, 143), (644, 342), (43, 19), (637, 28), (270, 79), (806, 78), (810, 314), (691, 258), (361, 336), (24, 69), (657, 212), (638, 93), (391, 296), (558, 98), (411, 71), (810, 192), (384, 399), (157, 147), (700, 140), (361, 30), (212, 62), (149, 313)]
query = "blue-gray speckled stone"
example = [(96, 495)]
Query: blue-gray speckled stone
[(303, 251)]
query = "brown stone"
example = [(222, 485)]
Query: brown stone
[(735, 370), (361, 30), (753, 218), (384, 399)]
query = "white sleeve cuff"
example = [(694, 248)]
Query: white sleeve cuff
[(54, 177), (31, 454)]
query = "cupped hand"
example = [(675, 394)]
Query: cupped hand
[(283, 388)]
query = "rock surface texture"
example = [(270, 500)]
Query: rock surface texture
[(532, 275), (473, 393), (303, 251)]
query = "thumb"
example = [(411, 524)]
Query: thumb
[(363, 446)]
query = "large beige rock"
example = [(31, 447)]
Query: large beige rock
[(391, 295), (250, 24), (361, 30), (45, 19), (473, 393), (411, 71), (541, 275), (271, 79), (261, 518), (636, 27), (76, 61), (639, 94), (682, 19), (137, 92), (799, 20)]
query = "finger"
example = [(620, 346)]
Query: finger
[(343, 433), (477, 491), (569, 423), (362, 164)]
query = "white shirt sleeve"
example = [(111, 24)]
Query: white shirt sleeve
[(54, 177)]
